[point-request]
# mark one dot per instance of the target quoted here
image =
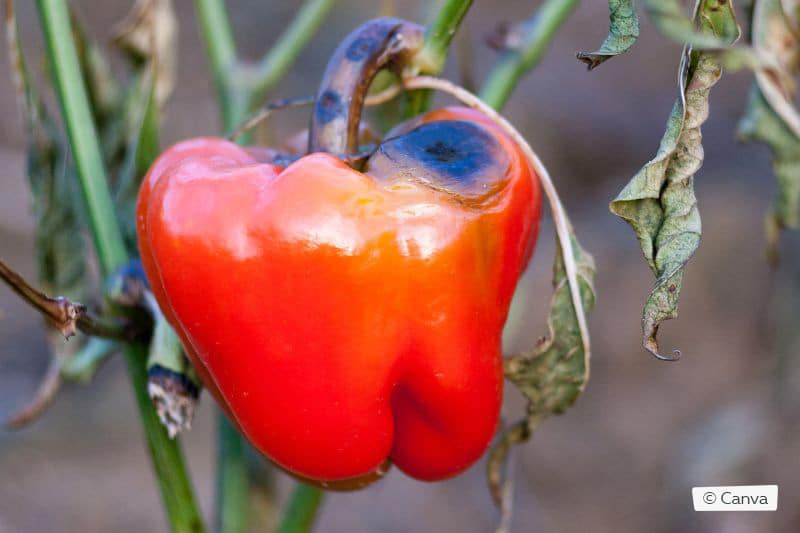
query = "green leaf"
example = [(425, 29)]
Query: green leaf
[(622, 34), (712, 24), (553, 375), (659, 201)]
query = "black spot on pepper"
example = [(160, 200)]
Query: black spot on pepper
[(455, 150), (459, 156), (329, 106)]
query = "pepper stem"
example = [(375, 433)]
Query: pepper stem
[(377, 44)]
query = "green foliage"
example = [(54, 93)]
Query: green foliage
[(622, 34), (659, 201)]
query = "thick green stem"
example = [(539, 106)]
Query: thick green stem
[(215, 28), (537, 33), (82, 133), (431, 59), (301, 510), (232, 479), (440, 34), (170, 470)]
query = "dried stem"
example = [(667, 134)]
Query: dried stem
[(44, 396), (65, 315)]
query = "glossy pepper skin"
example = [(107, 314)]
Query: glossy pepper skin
[(343, 318)]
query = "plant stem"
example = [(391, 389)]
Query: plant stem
[(82, 133), (176, 490), (232, 478), (301, 510), (239, 89), (440, 34), (431, 59), (64, 314), (215, 28), (537, 33)]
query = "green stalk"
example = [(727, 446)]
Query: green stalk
[(276, 62), (232, 479), (176, 490), (537, 34), (433, 56), (215, 28), (301, 510)]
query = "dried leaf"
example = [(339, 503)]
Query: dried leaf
[(622, 34), (771, 116), (761, 123), (149, 34), (554, 374), (791, 9), (774, 39), (659, 201)]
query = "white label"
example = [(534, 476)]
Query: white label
[(736, 498)]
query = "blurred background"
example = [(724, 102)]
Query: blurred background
[(624, 457)]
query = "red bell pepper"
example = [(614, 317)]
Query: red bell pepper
[(345, 317)]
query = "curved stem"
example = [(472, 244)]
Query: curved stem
[(537, 33), (170, 470), (301, 510), (340, 99)]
